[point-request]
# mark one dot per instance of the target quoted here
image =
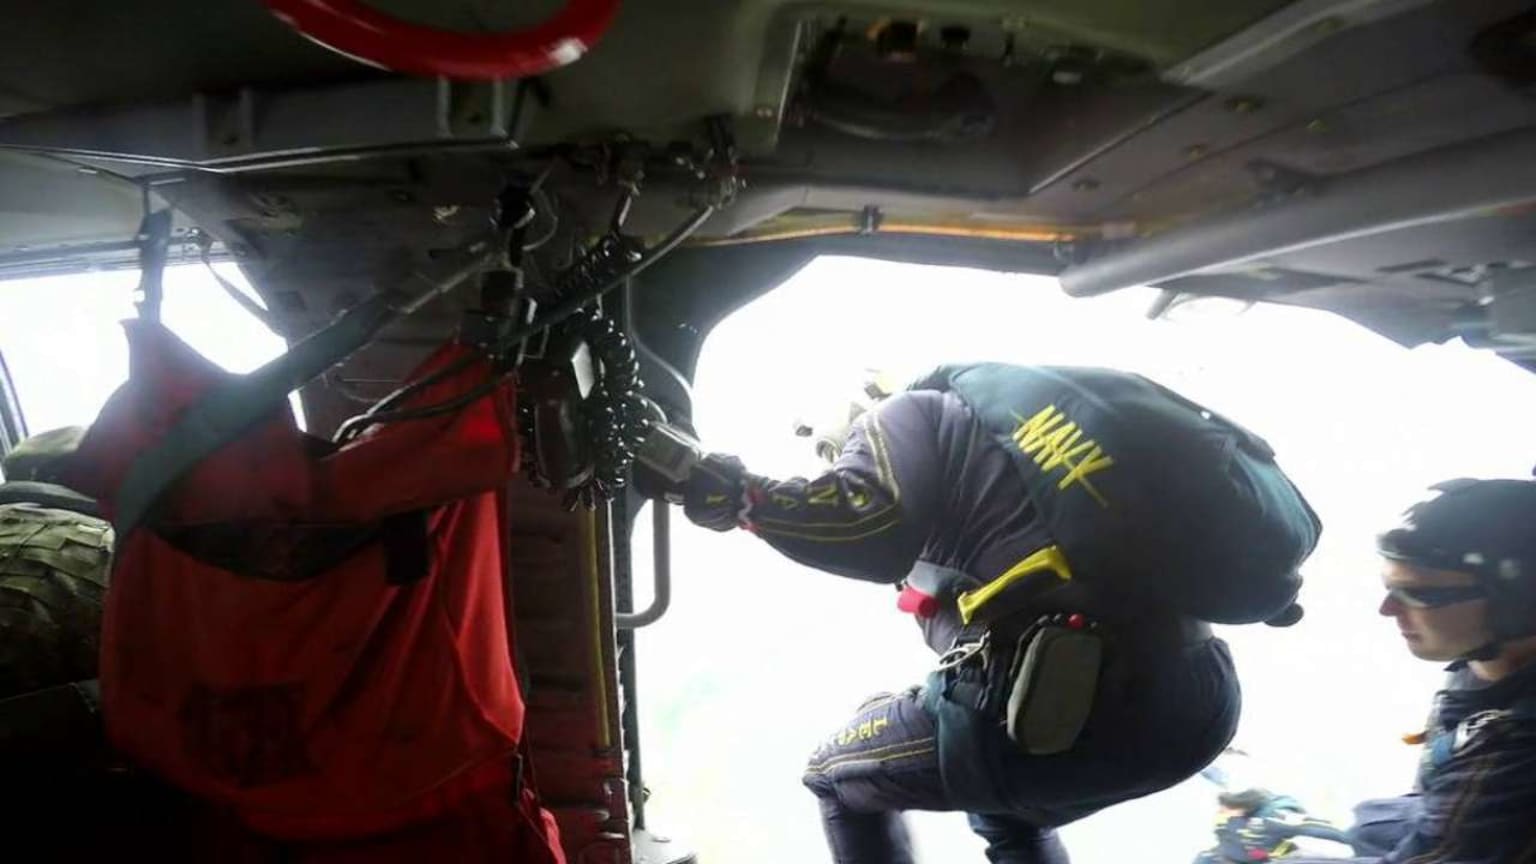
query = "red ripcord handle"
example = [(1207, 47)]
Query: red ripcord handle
[(356, 30)]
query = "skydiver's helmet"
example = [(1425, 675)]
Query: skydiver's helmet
[(1483, 527), (1249, 801), (829, 438)]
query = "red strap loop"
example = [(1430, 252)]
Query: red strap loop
[(354, 29)]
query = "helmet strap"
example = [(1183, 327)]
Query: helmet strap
[(1488, 651)]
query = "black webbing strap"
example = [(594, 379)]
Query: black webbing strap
[(968, 682), (47, 495), (967, 685), (231, 408), (154, 239), (228, 410)]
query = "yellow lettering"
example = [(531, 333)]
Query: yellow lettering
[(1031, 433), (1079, 472), (824, 496), (1055, 442), (881, 723), (1059, 447)]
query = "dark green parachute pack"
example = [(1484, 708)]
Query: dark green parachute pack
[(1134, 481)]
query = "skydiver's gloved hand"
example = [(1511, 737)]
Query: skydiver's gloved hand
[(671, 466), (716, 494)]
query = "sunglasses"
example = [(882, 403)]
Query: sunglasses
[(1434, 597)]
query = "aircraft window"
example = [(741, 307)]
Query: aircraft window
[(760, 659), (66, 350)]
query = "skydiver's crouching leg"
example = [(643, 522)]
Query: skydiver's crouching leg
[(1382, 823), (884, 761), (1011, 840)]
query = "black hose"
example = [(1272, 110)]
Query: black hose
[(480, 391), (571, 305), (353, 425), (248, 303)]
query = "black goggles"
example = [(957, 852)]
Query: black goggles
[(1435, 596)]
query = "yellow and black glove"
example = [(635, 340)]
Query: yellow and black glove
[(717, 494)]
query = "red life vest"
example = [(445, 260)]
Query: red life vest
[(315, 637)]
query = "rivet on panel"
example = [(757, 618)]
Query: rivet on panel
[(1067, 76)]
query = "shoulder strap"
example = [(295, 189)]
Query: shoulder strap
[(47, 495), (228, 410)]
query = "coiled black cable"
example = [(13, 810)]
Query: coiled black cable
[(613, 264), (610, 256), (615, 412)]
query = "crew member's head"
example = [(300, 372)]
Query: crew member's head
[(1460, 571), (1242, 802)]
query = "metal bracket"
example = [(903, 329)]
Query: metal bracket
[(255, 130), (1289, 31), (13, 425), (154, 241), (661, 572)]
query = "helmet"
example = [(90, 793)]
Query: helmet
[(37, 458), (1481, 527), (1247, 800), (829, 438)]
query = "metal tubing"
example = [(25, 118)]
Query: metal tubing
[(661, 566), (1475, 178)]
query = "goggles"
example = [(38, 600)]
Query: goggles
[(1435, 596)]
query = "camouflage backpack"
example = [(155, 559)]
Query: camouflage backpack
[(54, 567), (53, 577)]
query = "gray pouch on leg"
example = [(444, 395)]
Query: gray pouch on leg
[(1051, 692)]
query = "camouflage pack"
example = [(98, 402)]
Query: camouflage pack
[(54, 567)]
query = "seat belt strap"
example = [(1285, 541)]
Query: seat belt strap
[(233, 407)]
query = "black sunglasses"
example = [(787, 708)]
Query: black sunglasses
[(1434, 596)]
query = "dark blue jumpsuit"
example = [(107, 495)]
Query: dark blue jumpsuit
[(1475, 799), (920, 481)]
